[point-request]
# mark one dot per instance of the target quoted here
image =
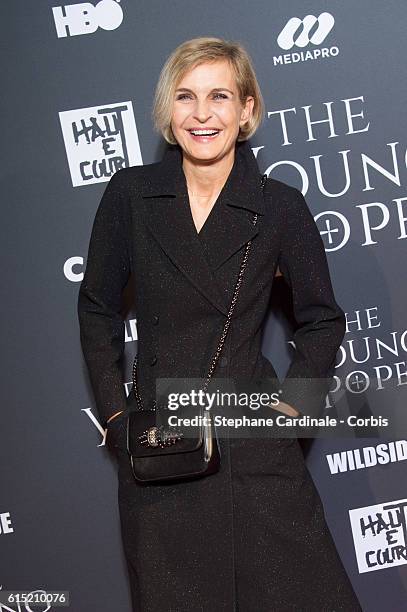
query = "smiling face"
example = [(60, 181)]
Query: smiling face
[(207, 112)]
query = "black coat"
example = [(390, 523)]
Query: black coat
[(253, 536)]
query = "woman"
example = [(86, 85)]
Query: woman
[(251, 537)]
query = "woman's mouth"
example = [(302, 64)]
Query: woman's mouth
[(204, 135)]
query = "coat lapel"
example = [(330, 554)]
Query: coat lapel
[(228, 228)]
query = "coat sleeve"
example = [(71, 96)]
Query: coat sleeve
[(100, 299), (320, 321)]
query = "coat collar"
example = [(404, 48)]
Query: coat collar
[(225, 233), (242, 188)]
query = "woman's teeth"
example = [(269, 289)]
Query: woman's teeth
[(206, 133)]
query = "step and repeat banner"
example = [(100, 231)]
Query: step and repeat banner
[(78, 87)]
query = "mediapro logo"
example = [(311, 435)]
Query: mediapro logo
[(86, 18), (303, 32)]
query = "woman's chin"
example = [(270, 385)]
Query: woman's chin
[(204, 152)]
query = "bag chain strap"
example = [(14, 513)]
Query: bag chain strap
[(225, 328)]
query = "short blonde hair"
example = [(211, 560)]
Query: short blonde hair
[(196, 51)]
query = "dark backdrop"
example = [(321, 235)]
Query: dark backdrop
[(77, 96)]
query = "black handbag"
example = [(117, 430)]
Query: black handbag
[(160, 453)]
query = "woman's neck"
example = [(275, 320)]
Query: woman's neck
[(207, 179)]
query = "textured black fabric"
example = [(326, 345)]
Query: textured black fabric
[(144, 218), (252, 537)]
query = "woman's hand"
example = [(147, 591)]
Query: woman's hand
[(286, 409), (113, 416), (117, 433)]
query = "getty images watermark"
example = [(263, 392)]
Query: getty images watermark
[(261, 408)]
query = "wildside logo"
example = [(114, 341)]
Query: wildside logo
[(99, 140), (310, 32), (368, 456), (379, 535)]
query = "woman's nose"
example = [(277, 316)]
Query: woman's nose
[(202, 110)]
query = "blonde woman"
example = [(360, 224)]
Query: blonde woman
[(251, 537)]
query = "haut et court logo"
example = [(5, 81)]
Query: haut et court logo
[(99, 140), (379, 534)]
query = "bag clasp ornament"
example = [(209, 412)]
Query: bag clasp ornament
[(158, 436)]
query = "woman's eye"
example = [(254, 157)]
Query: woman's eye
[(216, 95)]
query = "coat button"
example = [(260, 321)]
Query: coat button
[(153, 360), (155, 319)]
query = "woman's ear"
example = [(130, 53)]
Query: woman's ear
[(247, 110)]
